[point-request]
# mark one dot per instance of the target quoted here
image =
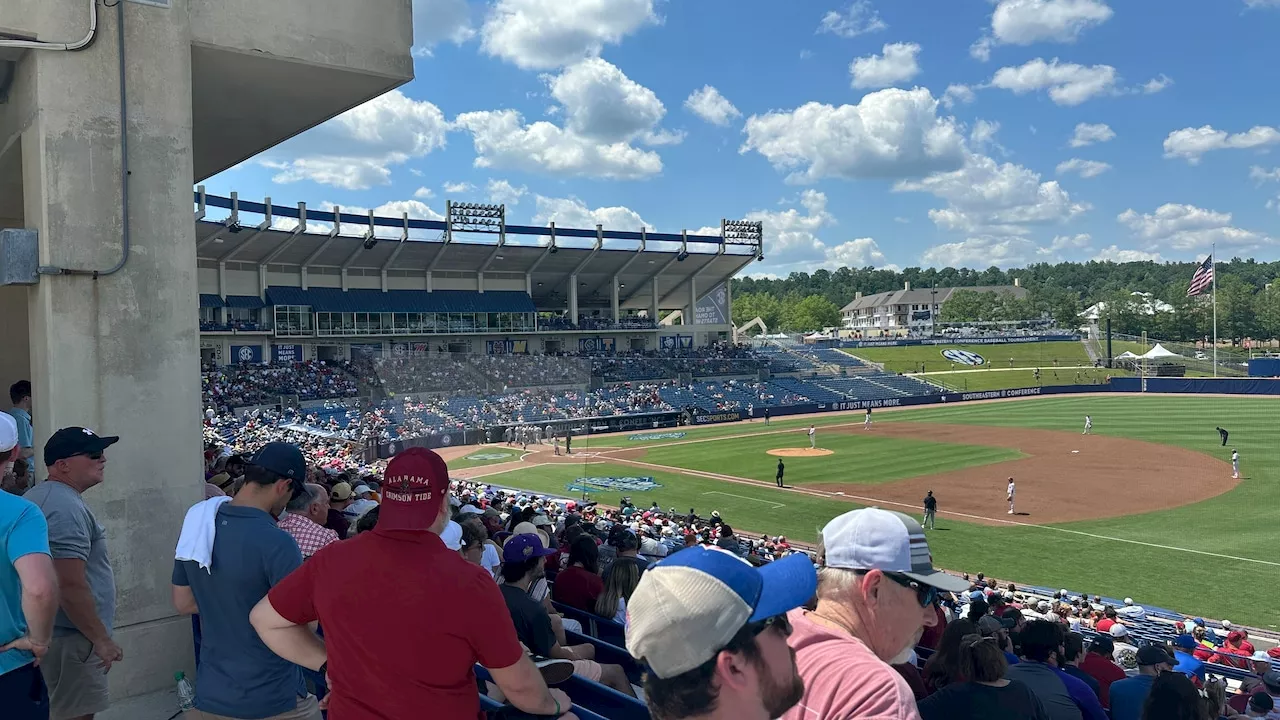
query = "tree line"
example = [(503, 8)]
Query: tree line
[(1248, 296)]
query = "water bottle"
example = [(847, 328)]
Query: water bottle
[(186, 692)]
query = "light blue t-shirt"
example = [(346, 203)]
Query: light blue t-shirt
[(1128, 696), (23, 531), (22, 419), (239, 676)]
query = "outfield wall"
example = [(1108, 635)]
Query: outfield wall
[(1229, 386), (955, 340)]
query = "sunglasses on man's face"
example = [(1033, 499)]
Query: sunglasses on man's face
[(777, 621), (925, 594), (92, 455)]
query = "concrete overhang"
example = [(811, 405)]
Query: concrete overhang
[(264, 72)]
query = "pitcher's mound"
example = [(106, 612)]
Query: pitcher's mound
[(799, 452)]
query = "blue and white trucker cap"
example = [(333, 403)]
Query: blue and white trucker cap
[(875, 539), (691, 604)]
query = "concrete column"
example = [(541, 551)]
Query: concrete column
[(262, 282), (653, 300), (118, 353), (691, 313), (613, 298), (728, 305), (222, 291), (528, 284), (573, 298)]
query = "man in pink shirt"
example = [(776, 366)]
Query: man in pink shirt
[(876, 590)]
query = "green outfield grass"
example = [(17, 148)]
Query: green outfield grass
[(856, 458), (1240, 523), (999, 380), (1028, 355)]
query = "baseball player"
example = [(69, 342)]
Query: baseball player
[(766, 415), (1009, 495), (555, 444), (930, 510), (813, 438), (1235, 464), (1088, 425), (781, 467), (866, 420), (1222, 433)]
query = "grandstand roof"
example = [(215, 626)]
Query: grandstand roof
[(402, 243)]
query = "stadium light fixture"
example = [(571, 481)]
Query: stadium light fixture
[(742, 232), (477, 218)]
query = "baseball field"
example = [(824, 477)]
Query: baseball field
[(1144, 507), (973, 368)]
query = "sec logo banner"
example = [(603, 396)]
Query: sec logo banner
[(964, 357)]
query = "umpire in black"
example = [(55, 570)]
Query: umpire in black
[(781, 467)]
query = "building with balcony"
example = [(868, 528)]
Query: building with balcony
[(899, 312)]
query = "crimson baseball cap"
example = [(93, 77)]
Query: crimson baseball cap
[(71, 441), (415, 486)]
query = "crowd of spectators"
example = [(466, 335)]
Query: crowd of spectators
[(519, 371), (233, 386)]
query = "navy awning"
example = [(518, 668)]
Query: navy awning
[(460, 301), (211, 301), (252, 302)]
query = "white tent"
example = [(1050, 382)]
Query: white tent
[(1126, 355), (1158, 352)]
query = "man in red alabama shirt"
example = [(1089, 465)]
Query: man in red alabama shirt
[(405, 618)]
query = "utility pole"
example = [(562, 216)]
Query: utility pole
[(933, 309)]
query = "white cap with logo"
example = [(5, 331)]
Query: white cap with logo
[(875, 539)]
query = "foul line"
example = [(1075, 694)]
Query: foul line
[(882, 502), (744, 497)]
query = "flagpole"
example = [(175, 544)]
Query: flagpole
[(1213, 257)]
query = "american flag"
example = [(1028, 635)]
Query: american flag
[(1203, 277)]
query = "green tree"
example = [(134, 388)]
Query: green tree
[(1235, 307), (749, 306), (1266, 308), (811, 313), (967, 306)]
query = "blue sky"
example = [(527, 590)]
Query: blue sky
[(874, 132)]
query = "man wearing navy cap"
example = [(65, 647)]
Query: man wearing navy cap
[(712, 631), (76, 459), (239, 676)]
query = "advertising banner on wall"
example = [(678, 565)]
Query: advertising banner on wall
[(286, 353), (246, 354), (373, 350), (1014, 340), (713, 308), (596, 344)]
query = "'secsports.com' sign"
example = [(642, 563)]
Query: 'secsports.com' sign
[(656, 436), (620, 484), (733, 416)]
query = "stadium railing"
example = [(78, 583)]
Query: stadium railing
[(595, 626), (608, 653)]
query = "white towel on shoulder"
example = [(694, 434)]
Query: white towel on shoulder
[(195, 542)]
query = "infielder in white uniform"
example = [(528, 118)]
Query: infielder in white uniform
[(813, 438), (1088, 425), (1235, 464), (866, 421), (1009, 495)]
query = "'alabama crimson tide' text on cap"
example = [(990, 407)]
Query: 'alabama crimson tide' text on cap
[(416, 484)]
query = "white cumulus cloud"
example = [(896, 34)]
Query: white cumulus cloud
[(1261, 175), (858, 19), (1080, 241), (1067, 83), (572, 212), (458, 187), (897, 64), (1086, 168), (958, 94), (1025, 22), (792, 242), (504, 193), (424, 193), (357, 149), (986, 198), (708, 104), (1114, 254), (1187, 227), (1191, 143), (502, 140), (1089, 133), (982, 252), (1156, 84), (437, 21), (603, 104), (546, 34), (890, 133)]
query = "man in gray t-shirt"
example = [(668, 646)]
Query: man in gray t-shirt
[(82, 650)]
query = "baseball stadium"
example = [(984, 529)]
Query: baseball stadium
[(401, 463)]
